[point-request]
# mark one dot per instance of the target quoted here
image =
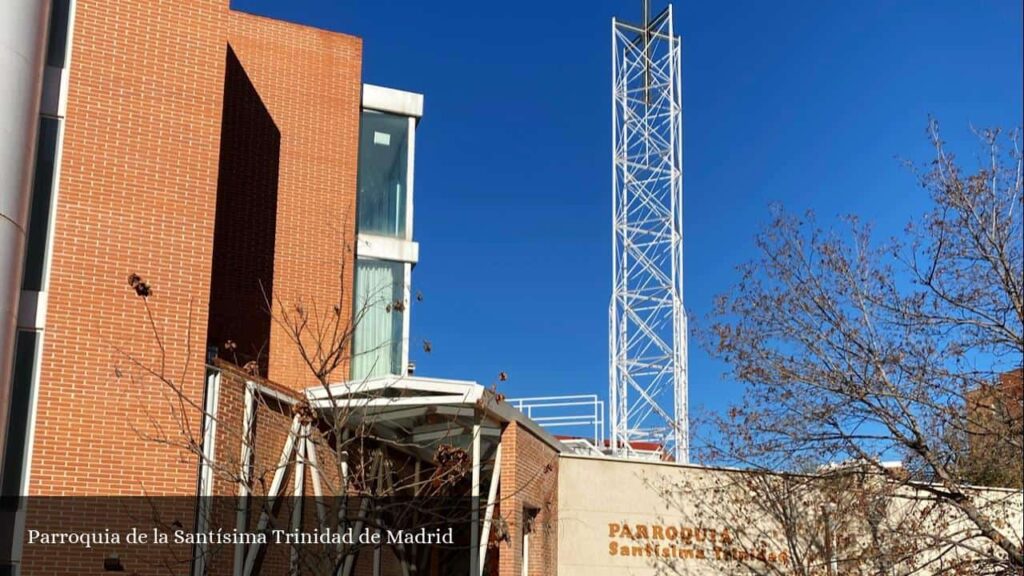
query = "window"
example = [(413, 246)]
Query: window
[(42, 197), (17, 426), (383, 173), (57, 40), (379, 318)]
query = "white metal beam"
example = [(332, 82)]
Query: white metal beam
[(389, 402), (245, 459), (208, 456), (272, 493), (474, 528), (452, 432), (318, 491), (492, 494), (300, 483)]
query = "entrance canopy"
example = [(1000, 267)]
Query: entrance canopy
[(417, 415), (420, 412)]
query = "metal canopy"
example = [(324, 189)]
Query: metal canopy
[(420, 413), (417, 413)]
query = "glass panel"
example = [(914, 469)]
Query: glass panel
[(377, 345), (42, 196), (383, 164), (57, 40), (17, 425)]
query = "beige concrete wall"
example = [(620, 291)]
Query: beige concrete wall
[(606, 506), (622, 518)]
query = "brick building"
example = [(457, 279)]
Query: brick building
[(207, 254), (994, 426)]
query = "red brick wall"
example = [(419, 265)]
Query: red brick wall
[(529, 478), (138, 194), (137, 190), (310, 82), (245, 233), (272, 424)]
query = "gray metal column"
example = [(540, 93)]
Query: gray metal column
[(23, 28)]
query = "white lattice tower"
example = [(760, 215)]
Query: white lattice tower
[(647, 321)]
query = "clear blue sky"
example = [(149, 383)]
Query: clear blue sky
[(808, 104)]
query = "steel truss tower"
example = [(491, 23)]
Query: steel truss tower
[(647, 322)]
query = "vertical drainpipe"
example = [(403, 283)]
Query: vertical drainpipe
[(23, 26)]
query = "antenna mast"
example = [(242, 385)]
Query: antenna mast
[(647, 321)]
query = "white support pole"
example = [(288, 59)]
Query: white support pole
[(364, 508), (300, 483), (379, 491), (242, 518), (318, 490), (208, 453), (275, 489), (492, 494), (207, 457), (613, 305), (417, 471), (401, 553), (343, 489), (474, 528), (350, 558), (282, 463)]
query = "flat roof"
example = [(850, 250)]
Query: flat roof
[(391, 100), (419, 391)]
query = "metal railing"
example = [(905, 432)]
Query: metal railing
[(578, 415)]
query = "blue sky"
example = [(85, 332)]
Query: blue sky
[(808, 104)]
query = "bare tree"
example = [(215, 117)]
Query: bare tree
[(369, 480), (845, 519), (356, 468), (859, 352)]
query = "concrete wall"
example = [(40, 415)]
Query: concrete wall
[(626, 518), (599, 498)]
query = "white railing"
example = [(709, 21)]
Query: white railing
[(580, 415), (583, 447)]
